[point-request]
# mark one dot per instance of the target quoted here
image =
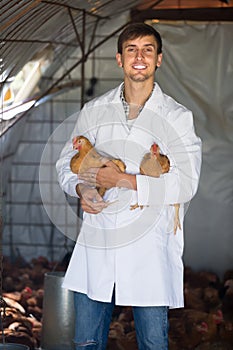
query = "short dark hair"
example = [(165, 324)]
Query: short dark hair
[(137, 30)]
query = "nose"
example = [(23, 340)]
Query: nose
[(139, 55)]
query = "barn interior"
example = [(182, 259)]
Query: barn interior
[(55, 56)]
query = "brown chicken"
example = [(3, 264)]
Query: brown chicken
[(154, 164), (87, 157)]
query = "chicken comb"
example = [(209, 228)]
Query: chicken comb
[(155, 148), (74, 139), (28, 289)]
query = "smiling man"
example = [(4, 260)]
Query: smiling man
[(139, 57), (123, 256)]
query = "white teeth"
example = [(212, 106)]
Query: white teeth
[(139, 66)]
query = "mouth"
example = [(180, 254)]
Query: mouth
[(139, 66)]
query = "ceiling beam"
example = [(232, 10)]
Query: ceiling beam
[(37, 41), (56, 3), (20, 14), (199, 14)]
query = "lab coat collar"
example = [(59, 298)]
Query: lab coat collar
[(156, 101)]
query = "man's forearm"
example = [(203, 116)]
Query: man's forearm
[(127, 181), (106, 177)]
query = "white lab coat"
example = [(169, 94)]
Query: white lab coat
[(134, 250)]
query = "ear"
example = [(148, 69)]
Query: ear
[(159, 59), (118, 59)]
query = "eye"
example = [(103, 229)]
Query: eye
[(131, 49), (148, 50)]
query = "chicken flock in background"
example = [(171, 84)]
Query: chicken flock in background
[(153, 164), (206, 322)]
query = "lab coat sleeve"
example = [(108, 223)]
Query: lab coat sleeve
[(180, 184), (66, 178)]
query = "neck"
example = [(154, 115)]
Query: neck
[(137, 93)]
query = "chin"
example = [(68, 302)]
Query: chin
[(139, 78)]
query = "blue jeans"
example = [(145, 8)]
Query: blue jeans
[(93, 319)]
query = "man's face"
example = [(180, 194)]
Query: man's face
[(139, 58)]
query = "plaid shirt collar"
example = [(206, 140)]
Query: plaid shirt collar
[(126, 104)]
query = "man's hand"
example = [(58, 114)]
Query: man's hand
[(90, 200), (107, 176)]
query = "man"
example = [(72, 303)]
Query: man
[(123, 256)]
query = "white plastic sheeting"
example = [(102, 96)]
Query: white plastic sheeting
[(197, 71)]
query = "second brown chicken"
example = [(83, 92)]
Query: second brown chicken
[(155, 164)]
